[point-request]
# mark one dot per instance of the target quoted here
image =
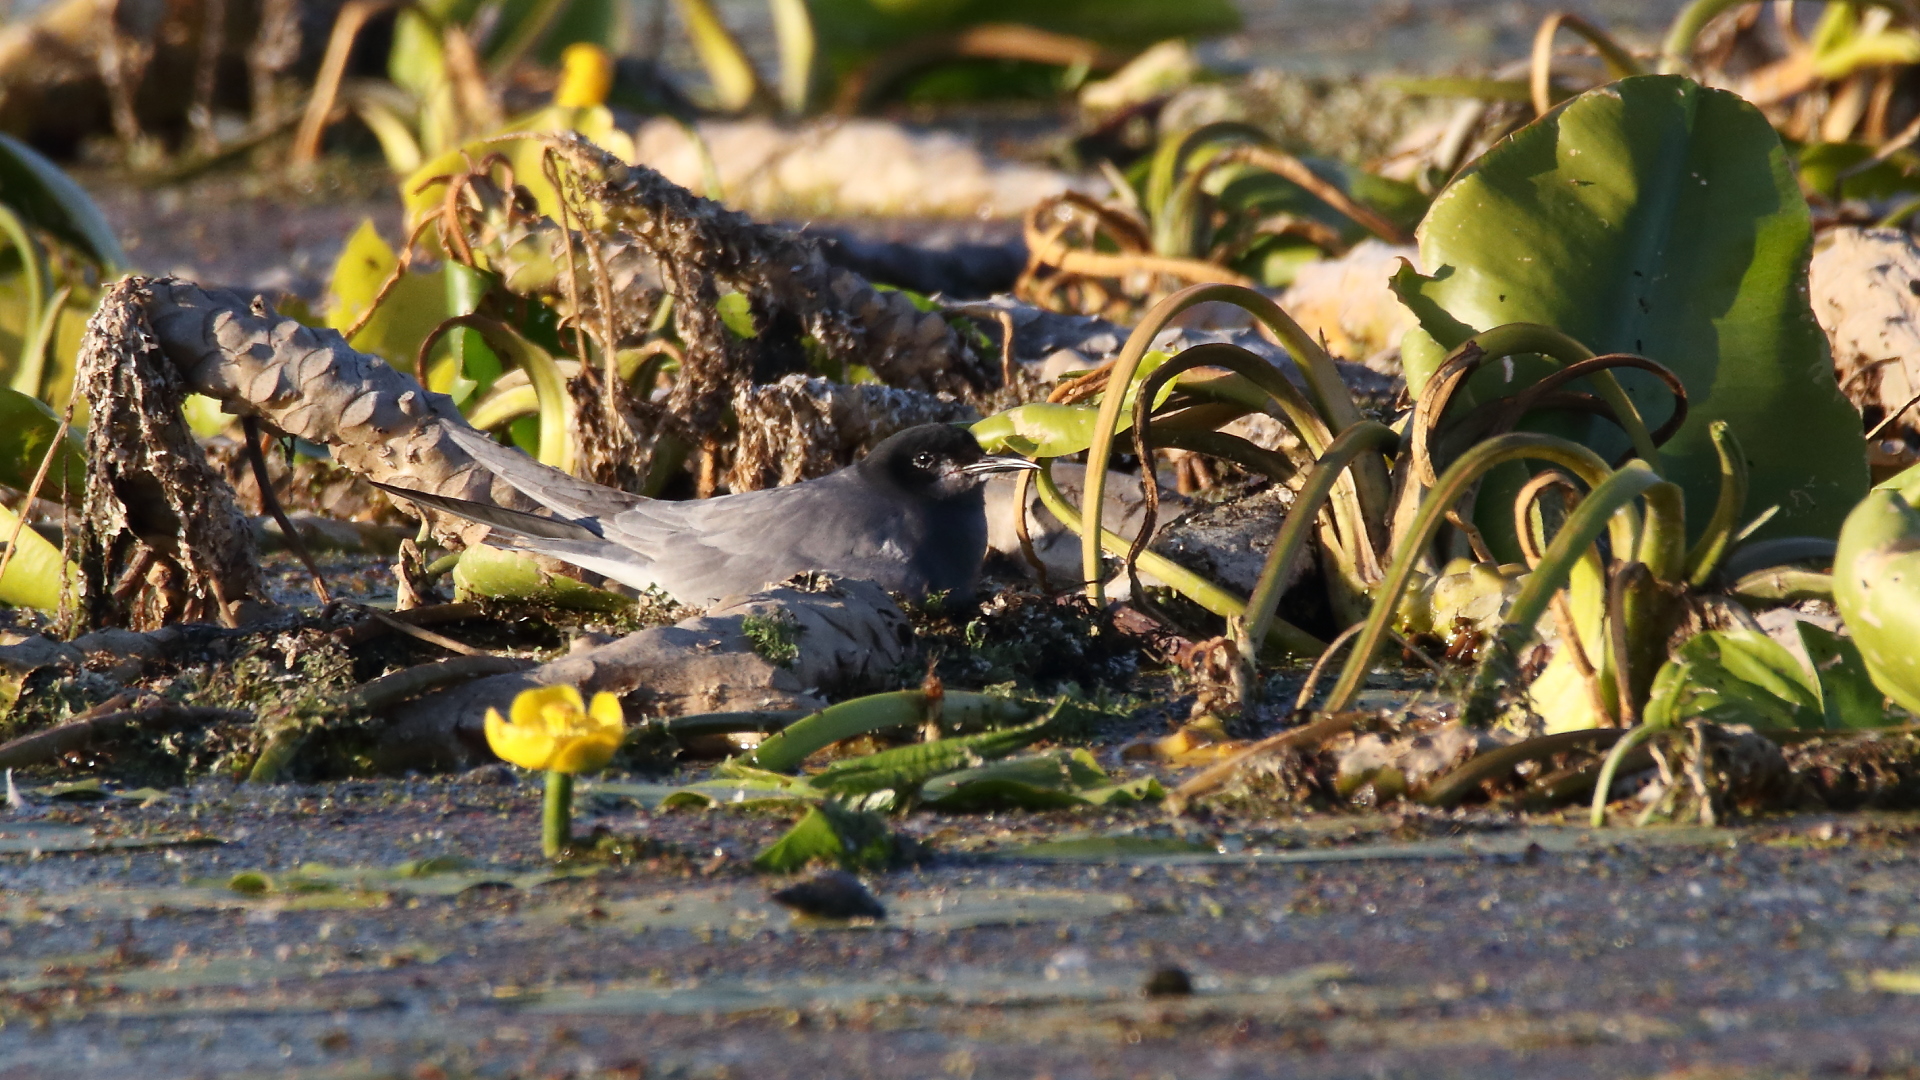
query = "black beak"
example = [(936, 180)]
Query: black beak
[(998, 463)]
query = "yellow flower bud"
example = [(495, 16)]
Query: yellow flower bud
[(586, 76)]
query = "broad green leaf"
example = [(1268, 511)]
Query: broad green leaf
[(475, 365), (1658, 217), (35, 574), (834, 835), (47, 198), (1906, 484), (1735, 677), (417, 304), (736, 314), (19, 322), (27, 428), (554, 402), (1828, 168), (1876, 586), (596, 123), (1846, 687)]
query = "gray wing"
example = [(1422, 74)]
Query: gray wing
[(563, 494), (707, 549)]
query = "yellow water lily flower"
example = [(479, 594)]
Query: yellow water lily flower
[(553, 730)]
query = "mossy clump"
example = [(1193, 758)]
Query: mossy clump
[(1039, 644), (295, 683), (775, 637)]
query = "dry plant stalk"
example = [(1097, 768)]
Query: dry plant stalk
[(627, 238), (802, 427), (160, 538), (791, 290)]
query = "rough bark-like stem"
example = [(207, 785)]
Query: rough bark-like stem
[(160, 538)]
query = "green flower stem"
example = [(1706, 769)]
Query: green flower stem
[(1685, 29), (556, 823), (1595, 514), (1518, 339)]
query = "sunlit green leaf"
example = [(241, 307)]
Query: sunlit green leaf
[(1846, 687), (27, 428), (37, 571), (902, 770), (1045, 429), (417, 304), (1735, 677), (736, 313), (511, 575), (1657, 217), (1053, 780)]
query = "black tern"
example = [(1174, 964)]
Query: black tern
[(909, 517)]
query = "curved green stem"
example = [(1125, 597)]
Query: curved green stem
[(34, 268), (543, 375), (1219, 444), (1324, 388), (1364, 437), (957, 710), (1518, 339), (1170, 161), (1198, 589), (29, 376), (1712, 546), (1473, 464), (1663, 541), (1355, 552), (1686, 28), (556, 820), (1295, 409), (1600, 509), (1598, 816), (1620, 63)]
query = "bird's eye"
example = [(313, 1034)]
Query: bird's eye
[(923, 460)]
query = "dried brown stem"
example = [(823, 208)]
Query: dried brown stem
[(152, 499)]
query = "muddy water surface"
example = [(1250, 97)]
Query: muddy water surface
[(409, 928)]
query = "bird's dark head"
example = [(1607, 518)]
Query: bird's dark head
[(936, 461)]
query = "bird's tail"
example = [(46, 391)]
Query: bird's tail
[(511, 522)]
